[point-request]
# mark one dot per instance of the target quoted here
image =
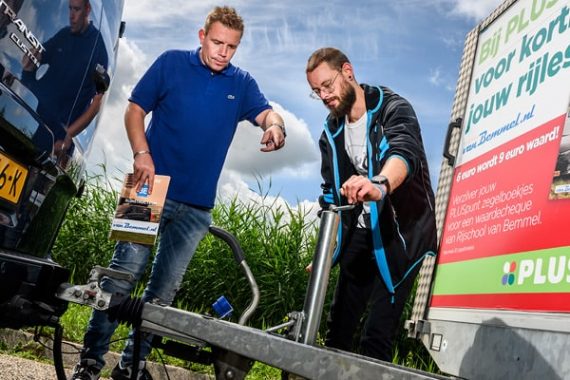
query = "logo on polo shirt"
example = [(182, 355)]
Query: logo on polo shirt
[(231, 97)]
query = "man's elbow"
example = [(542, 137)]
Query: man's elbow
[(134, 111)]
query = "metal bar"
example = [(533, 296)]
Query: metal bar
[(239, 256), (281, 326), (303, 360), (319, 279), (254, 290)]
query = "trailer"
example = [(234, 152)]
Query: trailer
[(231, 347), (495, 302)]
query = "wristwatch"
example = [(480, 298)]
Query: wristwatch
[(280, 126), (381, 180)]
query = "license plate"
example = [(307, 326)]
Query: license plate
[(12, 179)]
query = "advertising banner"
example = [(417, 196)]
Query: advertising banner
[(505, 244)]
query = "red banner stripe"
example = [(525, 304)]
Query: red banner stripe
[(547, 302)]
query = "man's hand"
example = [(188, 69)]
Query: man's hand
[(359, 189), (27, 64), (273, 139), (143, 169), (143, 165), (61, 146)]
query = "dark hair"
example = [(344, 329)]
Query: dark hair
[(334, 57), (227, 16)]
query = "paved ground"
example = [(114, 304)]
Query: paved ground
[(16, 368)]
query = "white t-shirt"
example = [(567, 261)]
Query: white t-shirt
[(355, 145)]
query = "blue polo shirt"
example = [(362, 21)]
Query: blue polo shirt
[(65, 91), (195, 113)]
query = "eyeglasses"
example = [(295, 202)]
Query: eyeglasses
[(327, 89)]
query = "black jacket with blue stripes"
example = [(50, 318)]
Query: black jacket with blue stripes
[(403, 223)]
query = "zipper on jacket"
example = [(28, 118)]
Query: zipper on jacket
[(402, 240)]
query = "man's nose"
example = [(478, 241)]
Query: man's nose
[(324, 94)]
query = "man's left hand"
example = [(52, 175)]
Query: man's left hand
[(273, 139)]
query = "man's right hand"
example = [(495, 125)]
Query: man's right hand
[(27, 64), (143, 169), (143, 166), (358, 188)]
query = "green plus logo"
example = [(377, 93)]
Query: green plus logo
[(509, 273), (552, 270)]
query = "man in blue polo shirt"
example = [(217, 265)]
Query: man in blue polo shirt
[(68, 97), (197, 99)]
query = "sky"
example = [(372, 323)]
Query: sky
[(412, 46)]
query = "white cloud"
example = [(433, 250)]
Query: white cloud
[(476, 10), (440, 78), (231, 186), (150, 11), (245, 157), (454, 42), (472, 9), (435, 77)]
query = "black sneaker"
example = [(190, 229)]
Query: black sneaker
[(86, 369), (120, 373)]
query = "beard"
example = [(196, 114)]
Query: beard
[(346, 101)]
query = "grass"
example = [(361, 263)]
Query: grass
[(75, 321)]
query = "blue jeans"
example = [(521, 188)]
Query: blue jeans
[(182, 227)]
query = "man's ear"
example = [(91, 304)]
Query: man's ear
[(201, 35), (347, 69)]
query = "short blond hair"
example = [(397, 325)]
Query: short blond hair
[(228, 16)]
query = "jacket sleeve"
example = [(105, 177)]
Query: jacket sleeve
[(402, 132), (327, 186)]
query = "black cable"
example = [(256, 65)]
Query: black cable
[(163, 364), (37, 339), (129, 311), (56, 348), (57, 353), (38, 335), (136, 352)]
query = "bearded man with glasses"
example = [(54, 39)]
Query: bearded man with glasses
[(372, 156)]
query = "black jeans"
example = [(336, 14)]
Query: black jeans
[(360, 289)]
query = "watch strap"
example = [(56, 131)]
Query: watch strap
[(382, 180)]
